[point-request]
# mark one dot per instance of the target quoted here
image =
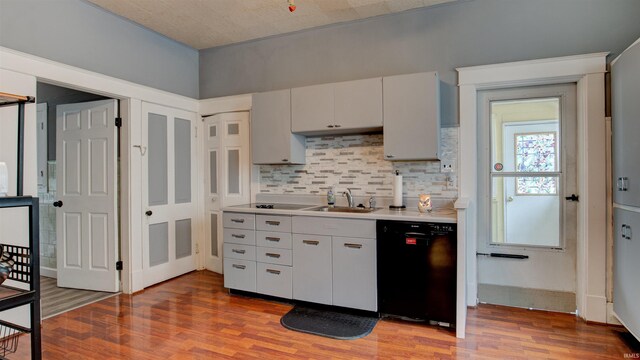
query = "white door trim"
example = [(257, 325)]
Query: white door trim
[(131, 95), (588, 72)]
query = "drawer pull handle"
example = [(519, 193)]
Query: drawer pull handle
[(241, 267), (273, 255), (271, 238), (237, 251), (271, 222), (311, 242), (275, 272), (353, 246), (239, 221), (237, 236)]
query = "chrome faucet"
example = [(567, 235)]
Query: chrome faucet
[(349, 197)]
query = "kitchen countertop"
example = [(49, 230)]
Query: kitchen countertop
[(446, 215)]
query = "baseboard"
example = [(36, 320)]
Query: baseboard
[(612, 318), (596, 309), (561, 301), (49, 272)]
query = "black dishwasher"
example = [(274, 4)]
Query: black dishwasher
[(417, 270)]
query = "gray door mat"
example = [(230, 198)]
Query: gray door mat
[(328, 323)]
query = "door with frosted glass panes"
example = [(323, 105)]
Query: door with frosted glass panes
[(227, 176), (168, 193)]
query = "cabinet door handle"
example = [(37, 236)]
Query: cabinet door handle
[(625, 183), (311, 242), (275, 272), (626, 232), (272, 222), (277, 256), (330, 126), (619, 184), (353, 246), (389, 156), (237, 251), (241, 267), (239, 221), (271, 238), (285, 160), (337, 125), (237, 236)]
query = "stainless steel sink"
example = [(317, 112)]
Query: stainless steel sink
[(344, 209)]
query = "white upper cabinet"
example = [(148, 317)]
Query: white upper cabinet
[(412, 117), (337, 108), (271, 139), (312, 108)]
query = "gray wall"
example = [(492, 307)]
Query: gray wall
[(54, 96), (440, 38), (77, 33)]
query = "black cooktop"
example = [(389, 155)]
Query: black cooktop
[(281, 206)]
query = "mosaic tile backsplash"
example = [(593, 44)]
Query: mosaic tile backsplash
[(356, 162)]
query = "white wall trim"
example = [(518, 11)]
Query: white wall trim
[(461, 205), (588, 72), (69, 76)]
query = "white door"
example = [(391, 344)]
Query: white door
[(228, 178), (87, 224), (168, 178), (528, 157), (530, 202)]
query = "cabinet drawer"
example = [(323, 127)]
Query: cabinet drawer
[(242, 252), (360, 228), (274, 256), (239, 236), (274, 280), (239, 220), (281, 223), (273, 239), (240, 274)]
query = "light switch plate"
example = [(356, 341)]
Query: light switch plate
[(447, 166)]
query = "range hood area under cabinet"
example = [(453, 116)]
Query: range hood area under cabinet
[(405, 107)]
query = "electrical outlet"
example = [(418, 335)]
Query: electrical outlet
[(447, 166)]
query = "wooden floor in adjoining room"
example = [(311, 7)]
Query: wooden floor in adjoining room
[(193, 317)]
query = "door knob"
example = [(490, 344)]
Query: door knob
[(149, 212), (510, 199), (57, 203), (573, 197)]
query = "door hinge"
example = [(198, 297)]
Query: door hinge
[(119, 265), (118, 122)]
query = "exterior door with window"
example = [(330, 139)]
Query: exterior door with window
[(227, 180), (527, 156), (168, 178)]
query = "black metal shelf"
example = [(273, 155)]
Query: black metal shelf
[(26, 268)]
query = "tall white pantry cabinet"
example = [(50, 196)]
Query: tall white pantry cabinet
[(625, 90)]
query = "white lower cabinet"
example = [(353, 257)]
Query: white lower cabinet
[(240, 274), (312, 279), (354, 273), (274, 280)]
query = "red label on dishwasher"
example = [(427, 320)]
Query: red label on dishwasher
[(411, 241)]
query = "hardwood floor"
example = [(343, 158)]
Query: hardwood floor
[(193, 317)]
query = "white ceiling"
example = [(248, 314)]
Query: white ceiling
[(203, 24)]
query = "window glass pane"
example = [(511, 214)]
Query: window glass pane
[(212, 131), (525, 135), (214, 234), (522, 219)]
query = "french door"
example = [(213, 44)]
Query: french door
[(168, 178), (227, 176)]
